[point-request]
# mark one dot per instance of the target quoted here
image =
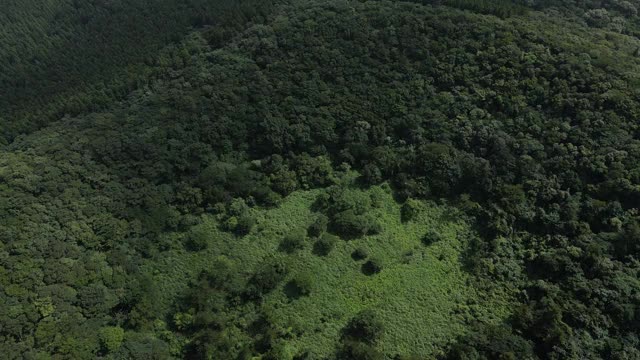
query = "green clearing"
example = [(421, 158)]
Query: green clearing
[(422, 294)]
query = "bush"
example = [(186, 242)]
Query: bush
[(111, 338), (377, 196), (348, 212), (245, 223), (270, 198), (371, 174), (431, 237), (325, 244), (359, 254), (350, 225), (238, 207), (266, 279), (410, 209), (372, 267), (281, 351), (597, 18), (354, 350), (491, 342), (223, 274), (198, 239), (300, 285), (319, 226), (292, 242), (284, 181), (364, 327), (313, 171), (230, 224)]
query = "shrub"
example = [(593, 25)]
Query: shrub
[(319, 226), (348, 212), (431, 237), (360, 351), (371, 174), (350, 225), (313, 171), (222, 274), (245, 223), (270, 198), (238, 207), (597, 18), (325, 244), (300, 285), (284, 181), (198, 239), (292, 242), (364, 327), (410, 209), (111, 338), (359, 254), (230, 224), (281, 351), (372, 267), (266, 279)]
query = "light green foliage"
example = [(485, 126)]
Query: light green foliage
[(411, 299), (182, 320), (231, 223), (423, 303), (283, 351), (111, 337), (44, 306)]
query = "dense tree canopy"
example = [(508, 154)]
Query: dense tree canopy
[(124, 143)]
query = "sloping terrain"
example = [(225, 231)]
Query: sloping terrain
[(422, 293), (338, 179)]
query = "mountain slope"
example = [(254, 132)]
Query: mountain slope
[(70, 57), (525, 124)]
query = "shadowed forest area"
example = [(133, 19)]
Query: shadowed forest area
[(320, 179)]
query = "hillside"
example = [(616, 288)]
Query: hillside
[(69, 57), (326, 180)]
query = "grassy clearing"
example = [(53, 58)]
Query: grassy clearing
[(422, 293)]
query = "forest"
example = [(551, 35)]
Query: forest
[(320, 179)]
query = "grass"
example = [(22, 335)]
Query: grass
[(422, 294)]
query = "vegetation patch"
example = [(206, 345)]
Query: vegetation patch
[(421, 304)]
